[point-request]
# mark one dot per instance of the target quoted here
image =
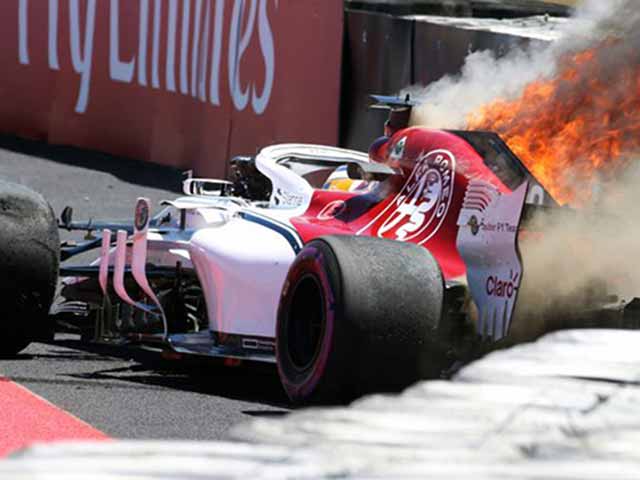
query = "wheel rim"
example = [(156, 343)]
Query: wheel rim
[(306, 323)]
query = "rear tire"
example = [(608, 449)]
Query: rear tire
[(29, 262), (358, 315)]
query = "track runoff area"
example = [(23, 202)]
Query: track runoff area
[(67, 390)]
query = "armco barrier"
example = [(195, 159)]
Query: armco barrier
[(441, 50), (377, 59), (384, 54), (185, 83), (467, 8)]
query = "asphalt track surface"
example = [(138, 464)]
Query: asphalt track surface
[(123, 393)]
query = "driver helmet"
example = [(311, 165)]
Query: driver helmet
[(339, 180)]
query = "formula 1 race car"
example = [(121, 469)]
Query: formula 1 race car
[(351, 272)]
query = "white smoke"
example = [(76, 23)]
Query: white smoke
[(448, 102), (572, 260)]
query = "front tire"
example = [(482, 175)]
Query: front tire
[(29, 262), (358, 315)]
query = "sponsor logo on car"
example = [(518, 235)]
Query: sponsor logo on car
[(499, 227), (421, 206), (141, 214), (503, 288), (331, 210), (397, 151), (284, 198)]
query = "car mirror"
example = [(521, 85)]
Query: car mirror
[(66, 217)]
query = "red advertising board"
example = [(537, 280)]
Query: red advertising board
[(187, 83)]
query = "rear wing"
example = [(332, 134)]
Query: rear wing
[(389, 102), (400, 109)]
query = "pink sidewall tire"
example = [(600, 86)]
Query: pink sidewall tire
[(358, 315)]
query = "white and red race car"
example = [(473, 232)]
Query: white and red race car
[(351, 272)]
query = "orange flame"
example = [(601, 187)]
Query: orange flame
[(578, 129)]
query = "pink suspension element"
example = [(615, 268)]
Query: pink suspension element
[(103, 277)]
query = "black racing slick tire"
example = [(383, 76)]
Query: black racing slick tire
[(358, 315), (29, 262)]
